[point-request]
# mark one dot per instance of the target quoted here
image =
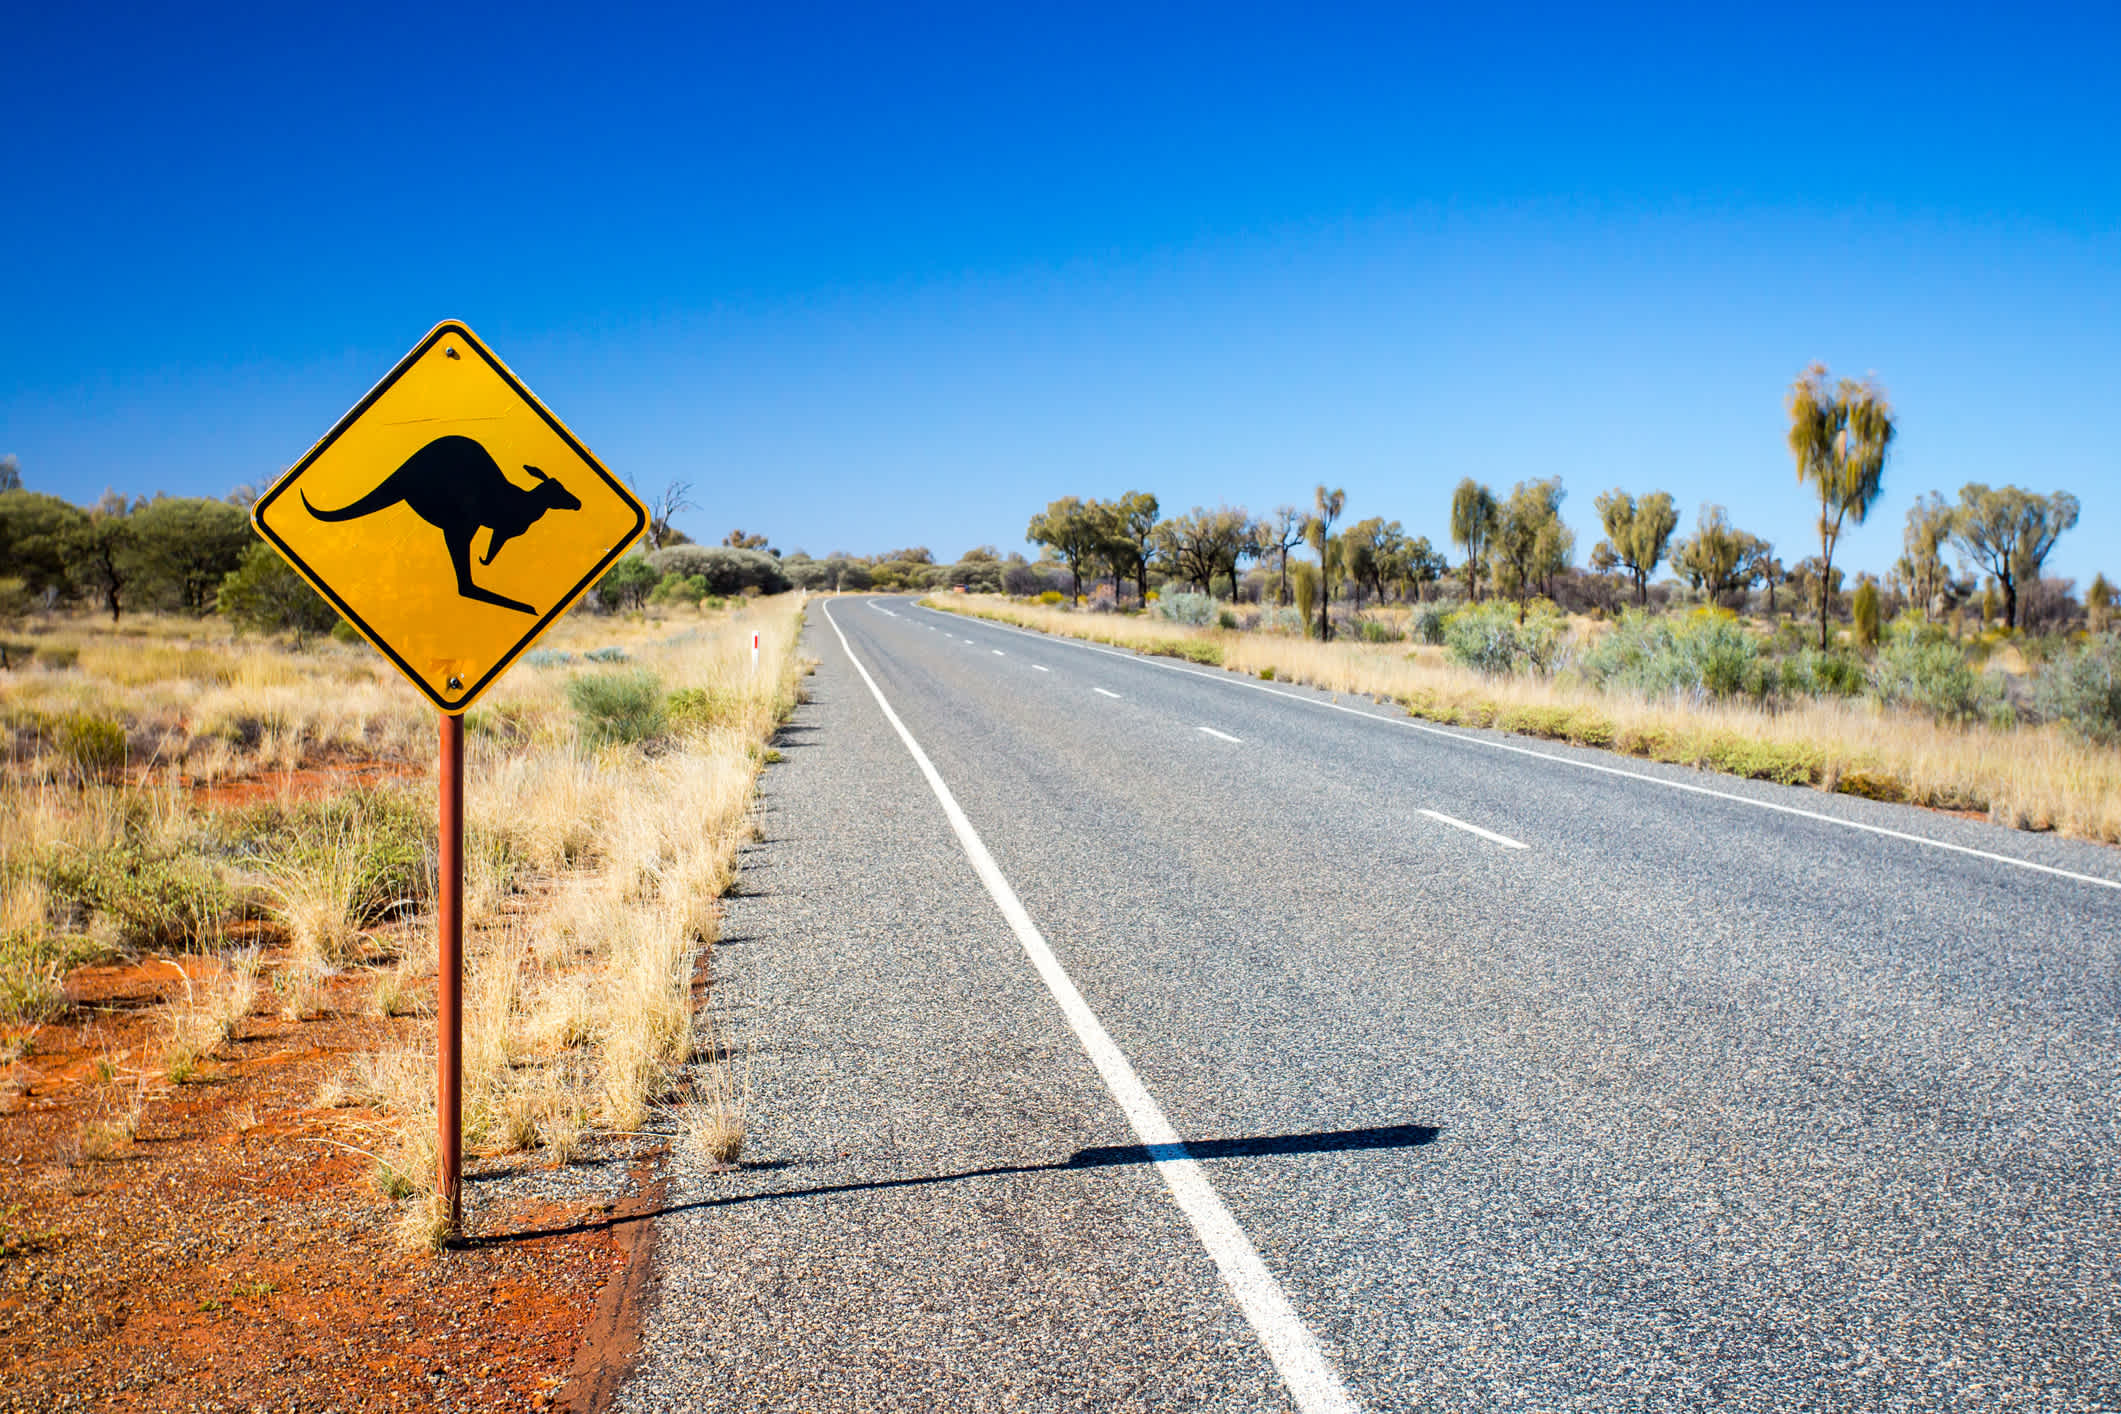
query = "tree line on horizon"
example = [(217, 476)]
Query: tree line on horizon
[(1517, 547), (197, 555)]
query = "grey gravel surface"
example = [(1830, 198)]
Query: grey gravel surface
[(1730, 1109)]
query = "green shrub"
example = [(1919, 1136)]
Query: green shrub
[(1199, 610), (1376, 631), (1430, 623), (1811, 673), (617, 708), (1193, 650), (1489, 638), (93, 746), (152, 900), (547, 657), (393, 829), (1226, 619), (1705, 654), (1863, 613), (33, 967), (1935, 678), (2082, 690), (680, 589), (264, 594), (699, 708), (344, 632)]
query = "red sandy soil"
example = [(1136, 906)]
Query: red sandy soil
[(235, 792), (234, 1256)]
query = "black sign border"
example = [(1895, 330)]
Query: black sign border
[(458, 705)]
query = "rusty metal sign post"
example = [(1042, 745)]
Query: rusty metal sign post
[(450, 519)]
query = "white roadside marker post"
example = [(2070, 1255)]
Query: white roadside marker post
[(754, 652)]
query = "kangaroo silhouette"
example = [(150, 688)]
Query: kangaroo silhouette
[(453, 484)]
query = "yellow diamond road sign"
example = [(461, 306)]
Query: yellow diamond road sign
[(450, 517)]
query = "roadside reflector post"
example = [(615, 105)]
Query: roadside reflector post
[(754, 652), (449, 978)]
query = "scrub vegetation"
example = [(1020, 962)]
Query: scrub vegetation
[(251, 817)]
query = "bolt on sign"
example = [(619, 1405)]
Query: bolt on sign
[(450, 517)]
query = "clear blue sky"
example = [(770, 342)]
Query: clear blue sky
[(872, 279)]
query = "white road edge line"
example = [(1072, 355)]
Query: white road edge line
[(1311, 1379), (1221, 736), (1412, 725), (1103, 692), (1503, 840)]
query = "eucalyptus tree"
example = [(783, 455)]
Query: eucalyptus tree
[(1718, 557), (1203, 544), (1364, 548), (1840, 437), (1419, 565), (1326, 507), (1636, 534), (1130, 525), (1279, 532), (1530, 544), (1071, 529), (2009, 532), (1473, 515), (1929, 525)]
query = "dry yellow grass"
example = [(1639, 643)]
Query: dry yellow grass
[(2040, 778), (599, 884), (593, 875)]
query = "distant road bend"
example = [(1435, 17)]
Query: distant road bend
[(1128, 1035)]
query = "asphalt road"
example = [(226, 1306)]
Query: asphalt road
[(1530, 1078)]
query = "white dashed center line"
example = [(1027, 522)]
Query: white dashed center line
[(999, 654), (1037, 669), (1504, 840), (1101, 692), (1221, 736)]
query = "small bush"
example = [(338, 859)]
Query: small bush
[(1052, 597), (1377, 631), (1935, 678), (617, 708), (1488, 637), (1429, 624), (1863, 613), (1811, 673), (264, 594), (1198, 610), (699, 708), (547, 658), (153, 900), (338, 863), (1226, 619), (2082, 690), (94, 746), (58, 655), (680, 589), (609, 654), (1707, 654), (33, 968), (1280, 618)]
